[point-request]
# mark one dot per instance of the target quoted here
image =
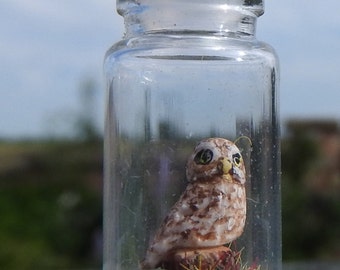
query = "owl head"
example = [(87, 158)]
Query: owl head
[(216, 157)]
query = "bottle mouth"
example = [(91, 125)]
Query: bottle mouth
[(213, 16), (253, 6)]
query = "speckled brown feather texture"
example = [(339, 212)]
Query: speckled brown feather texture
[(211, 212)]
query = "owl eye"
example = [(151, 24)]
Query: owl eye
[(203, 157), (237, 159)]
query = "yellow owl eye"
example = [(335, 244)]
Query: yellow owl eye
[(237, 159), (203, 157)]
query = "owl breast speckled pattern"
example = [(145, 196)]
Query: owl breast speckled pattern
[(211, 212)]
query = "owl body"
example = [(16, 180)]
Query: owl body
[(211, 211)]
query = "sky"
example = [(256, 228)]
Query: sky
[(49, 48)]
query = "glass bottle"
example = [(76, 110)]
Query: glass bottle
[(185, 71)]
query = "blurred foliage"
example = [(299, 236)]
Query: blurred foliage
[(311, 216), (50, 204)]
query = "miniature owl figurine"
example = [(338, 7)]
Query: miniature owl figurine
[(211, 212)]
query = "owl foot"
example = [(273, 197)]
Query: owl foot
[(203, 259)]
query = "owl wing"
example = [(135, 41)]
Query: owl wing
[(187, 225)]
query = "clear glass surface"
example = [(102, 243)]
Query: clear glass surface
[(166, 92)]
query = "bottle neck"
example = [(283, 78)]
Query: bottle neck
[(217, 17)]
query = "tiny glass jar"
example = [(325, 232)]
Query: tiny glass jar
[(192, 156)]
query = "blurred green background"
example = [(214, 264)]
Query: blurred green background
[(51, 197), (50, 204)]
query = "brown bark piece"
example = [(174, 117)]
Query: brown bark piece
[(215, 258)]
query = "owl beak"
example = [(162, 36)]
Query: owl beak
[(229, 172), (226, 166)]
